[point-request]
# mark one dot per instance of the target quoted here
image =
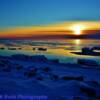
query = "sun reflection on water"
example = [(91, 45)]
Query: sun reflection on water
[(77, 41)]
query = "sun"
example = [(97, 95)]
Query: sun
[(78, 29)]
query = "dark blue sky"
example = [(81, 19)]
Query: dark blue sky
[(16, 13)]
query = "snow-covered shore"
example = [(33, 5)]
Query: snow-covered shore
[(37, 76)]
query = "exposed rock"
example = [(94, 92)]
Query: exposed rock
[(88, 91), (46, 69), (86, 50), (2, 48), (19, 67), (39, 78), (67, 78), (33, 48), (96, 48), (42, 49), (31, 72), (11, 48), (87, 62), (54, 77), (80, 78), (55, 60)]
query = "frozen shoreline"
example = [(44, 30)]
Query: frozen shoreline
[(38, 76)]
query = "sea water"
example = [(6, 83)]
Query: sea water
[(56, 49)]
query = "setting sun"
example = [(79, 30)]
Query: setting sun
[(78, 29)]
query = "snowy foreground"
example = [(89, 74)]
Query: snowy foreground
[(37, 78)]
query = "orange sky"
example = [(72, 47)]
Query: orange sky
[(54, 29)]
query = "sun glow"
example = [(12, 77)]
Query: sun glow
[(78, 29)]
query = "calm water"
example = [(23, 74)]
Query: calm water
[(60, 49)]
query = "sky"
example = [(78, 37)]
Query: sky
[(26, 13)]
